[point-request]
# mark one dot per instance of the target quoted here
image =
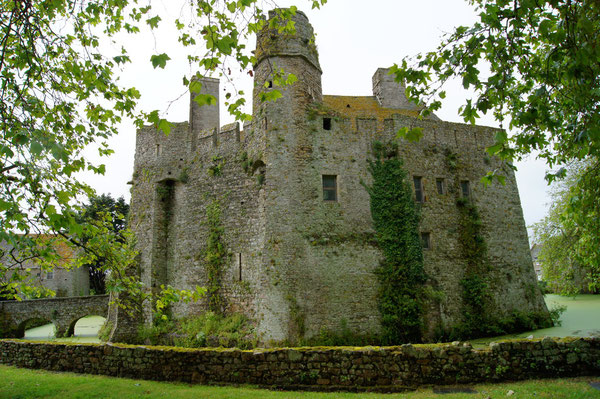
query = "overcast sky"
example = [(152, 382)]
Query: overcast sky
[(354, 38)]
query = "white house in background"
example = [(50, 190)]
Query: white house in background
[(537, 266)]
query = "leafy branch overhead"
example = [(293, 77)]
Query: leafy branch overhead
[(534, 65), (59, 94)]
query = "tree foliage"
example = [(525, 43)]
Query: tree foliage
[(534, 64), (59, 93), (570, 234), (97, 208)]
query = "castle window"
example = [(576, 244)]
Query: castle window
[(49, 275), (426, 240), (326, 123), (158, 150), (240, 266), (441, 186), (465, 188), (418, 182), (329, 188)]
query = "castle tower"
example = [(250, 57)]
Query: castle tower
[(205, 117), (161, 165), (291, 53), (389, 93)]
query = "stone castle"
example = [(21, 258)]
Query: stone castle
[(286, 193)]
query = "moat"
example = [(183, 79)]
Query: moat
[(580, 319)]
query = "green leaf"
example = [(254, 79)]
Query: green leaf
[(411, 134), (272, 95), (205, 99), (195, 86), (36, 148), (153, 22), (165, 126), (501, 136), (159, 60)]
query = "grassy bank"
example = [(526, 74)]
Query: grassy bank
[(22, 383)]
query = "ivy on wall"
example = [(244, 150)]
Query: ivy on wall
[(215, 257), (396, 222), (475, 284), (480, 317)]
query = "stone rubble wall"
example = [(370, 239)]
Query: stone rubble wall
[(319, 367)]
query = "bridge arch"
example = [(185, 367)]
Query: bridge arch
[(71, 329), (63, 313), (33, 322)]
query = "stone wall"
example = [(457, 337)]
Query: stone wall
[(62, 312), (326, 368)]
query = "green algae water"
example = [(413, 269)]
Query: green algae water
[(86, 330), (580, 319)]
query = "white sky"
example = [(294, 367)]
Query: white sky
[(354, 38)]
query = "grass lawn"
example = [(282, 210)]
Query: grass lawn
[(22, 383)]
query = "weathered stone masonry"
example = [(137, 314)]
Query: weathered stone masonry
[(341, 368), (297, 263)]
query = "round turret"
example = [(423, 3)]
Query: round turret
[(272, 43), (294, 54)]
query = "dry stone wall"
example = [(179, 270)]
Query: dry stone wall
[(389, 368)]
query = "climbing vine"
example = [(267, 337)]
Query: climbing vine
[(215, 257), (476, 280), (396, 222), (479, 316)]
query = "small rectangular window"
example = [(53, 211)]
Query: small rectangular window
[(426, 240), (329, 188), (240, 266), (326, 123), (465, 188), (418, 181), (158, 150), (441, 186), (49, 275)]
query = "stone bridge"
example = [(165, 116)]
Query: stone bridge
[(62, 312)]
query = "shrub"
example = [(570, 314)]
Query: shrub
[(213, 329)]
